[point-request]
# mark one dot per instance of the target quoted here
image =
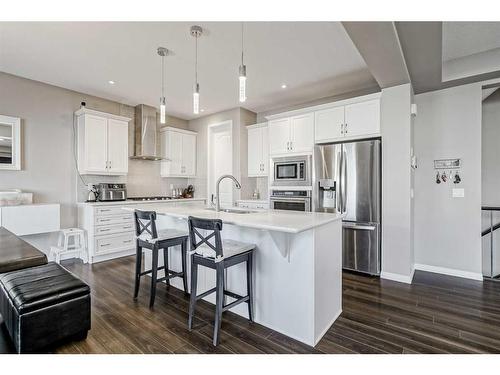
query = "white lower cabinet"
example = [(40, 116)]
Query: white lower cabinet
[(253, 204), (111, 229)]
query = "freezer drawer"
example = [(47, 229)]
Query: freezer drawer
[(361, 247)]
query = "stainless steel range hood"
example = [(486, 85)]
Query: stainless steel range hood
[(147, 145)]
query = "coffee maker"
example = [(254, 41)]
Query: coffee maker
[(327, 195)]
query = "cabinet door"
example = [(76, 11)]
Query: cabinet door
[(188, 166), (302, 133), (175, 152), (362, 118), (254, 152), (328, 124), (117, 146), (279, 136), (265, 151), (96, 139)]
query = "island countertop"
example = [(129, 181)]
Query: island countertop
[(273, 220)]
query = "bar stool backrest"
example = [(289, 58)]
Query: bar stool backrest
[(145, 224), (212, 228)]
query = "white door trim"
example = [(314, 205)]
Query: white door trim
[(210, 129)]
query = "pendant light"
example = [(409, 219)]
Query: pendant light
[(243, 73), (196, 32), (162, 52)]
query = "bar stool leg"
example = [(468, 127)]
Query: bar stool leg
[(138, 267), (184, 265), (154, 275), (165, 263), (250, 286), (218, 301), (194, 287)]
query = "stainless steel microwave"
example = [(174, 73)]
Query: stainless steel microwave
[(292, 171)]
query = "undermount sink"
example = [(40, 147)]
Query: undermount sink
[(231, 210)]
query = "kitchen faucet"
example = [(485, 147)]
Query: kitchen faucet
[(217, 185)]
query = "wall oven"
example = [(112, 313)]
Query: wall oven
[(291, 171), (292, 200)]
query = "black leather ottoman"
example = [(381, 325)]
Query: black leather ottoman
[(44, 305)]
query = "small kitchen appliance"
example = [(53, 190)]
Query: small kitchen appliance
[(111, 192)]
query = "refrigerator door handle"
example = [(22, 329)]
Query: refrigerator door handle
[(359, 227), (339, 188), (344, 183)]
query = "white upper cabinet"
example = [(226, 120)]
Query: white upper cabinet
[(258, 150), (117, 154), (302, 133), (178, 148), (279, 136), (102, 143), (362, 118), (354, 120), (329, 123), (291, 135)]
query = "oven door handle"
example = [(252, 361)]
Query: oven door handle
[(293, 200)]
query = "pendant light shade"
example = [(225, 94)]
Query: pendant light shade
[(162, 52), (243, 73), (196, 32)]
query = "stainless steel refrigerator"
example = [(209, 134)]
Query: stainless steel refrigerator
[(347, 179)]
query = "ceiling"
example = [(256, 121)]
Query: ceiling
[(314, 60)]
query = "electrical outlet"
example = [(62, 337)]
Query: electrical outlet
[(458, 193)]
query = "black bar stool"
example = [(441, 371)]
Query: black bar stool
[(149, 238), (219, 255)]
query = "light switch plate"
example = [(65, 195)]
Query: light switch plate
[(458, 193)]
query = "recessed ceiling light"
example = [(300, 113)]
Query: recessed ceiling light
[(111, 82), (283, 86)]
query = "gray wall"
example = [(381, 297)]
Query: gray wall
[(447, 230), (397, 251), (48, 167)]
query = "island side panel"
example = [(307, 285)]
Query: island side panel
[(327, 277)]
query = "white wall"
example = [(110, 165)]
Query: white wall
[(397, 251), (447, 230)]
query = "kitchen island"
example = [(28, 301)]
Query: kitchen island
[(297, 265)]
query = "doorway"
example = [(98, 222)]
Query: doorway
[(220, 161)]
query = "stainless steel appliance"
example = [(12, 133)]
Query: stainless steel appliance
[(348, 180), (291, 171), (111, 192), (147, 145), (293, 200)]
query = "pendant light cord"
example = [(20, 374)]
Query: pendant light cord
[(196, 60), (242, 44), (162, 76)]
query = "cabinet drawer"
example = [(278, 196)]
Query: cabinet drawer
[(112, 229), (114, 243), (106, 211), (110, 220)]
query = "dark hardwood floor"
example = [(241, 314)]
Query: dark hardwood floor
[(436, 314)]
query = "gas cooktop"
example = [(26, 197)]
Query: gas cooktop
[(149, 198)]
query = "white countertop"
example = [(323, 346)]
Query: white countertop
[(131, 202), (273, 220), (253, 200)]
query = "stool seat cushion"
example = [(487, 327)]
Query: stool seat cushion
[(164, 234), (229, 248), (37, 287)]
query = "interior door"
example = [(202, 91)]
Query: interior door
[(223, 165), (302, 133), (328, 124), (362, 118), (254, 152), (279, 136), (117, 146), (96, 140), (189, 154)]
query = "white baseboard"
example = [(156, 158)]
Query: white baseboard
[(449, 272), (407, 279)]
